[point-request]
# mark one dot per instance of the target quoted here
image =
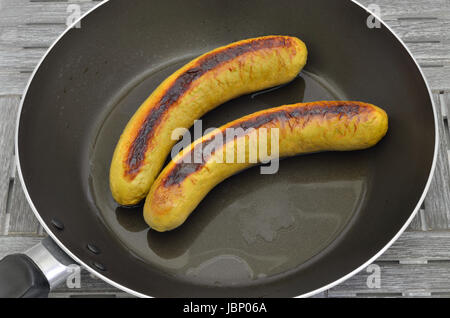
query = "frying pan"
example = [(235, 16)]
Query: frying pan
[(319, 220)]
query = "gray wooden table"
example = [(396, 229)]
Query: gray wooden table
[(419, 262)]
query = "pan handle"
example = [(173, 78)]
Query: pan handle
[(36, 272)]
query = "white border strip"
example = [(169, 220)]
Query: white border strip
[(135, 293)]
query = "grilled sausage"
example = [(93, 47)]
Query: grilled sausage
[(302, 128), (198, 87)]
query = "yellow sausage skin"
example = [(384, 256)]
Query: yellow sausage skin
[(302, 128), (198, 87)]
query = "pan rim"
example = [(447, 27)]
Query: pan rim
[(138, 294)]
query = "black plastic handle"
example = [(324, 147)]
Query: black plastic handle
[(21, 277)]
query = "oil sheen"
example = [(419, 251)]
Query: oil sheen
[(251, 226)]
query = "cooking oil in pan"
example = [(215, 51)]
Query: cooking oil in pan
[(251, 226)]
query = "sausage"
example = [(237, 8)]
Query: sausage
[(198, 87), (302, 128)]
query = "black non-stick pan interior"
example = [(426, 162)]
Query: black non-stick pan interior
[(318, 219)]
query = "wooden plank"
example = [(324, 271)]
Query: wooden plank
[(26, 35), (16, 244), (418, 223), (20, 59), (410, 9), (16, 216), (437, 73), (437, 202), (421, 30), (21, 220), (416, 264), (32, 12), (398, 279), (8, 108), (445, 102), (435, 50), (419, 246), (13, 82)]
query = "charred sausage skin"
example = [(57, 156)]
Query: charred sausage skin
[(198, 87), (303, 128)]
